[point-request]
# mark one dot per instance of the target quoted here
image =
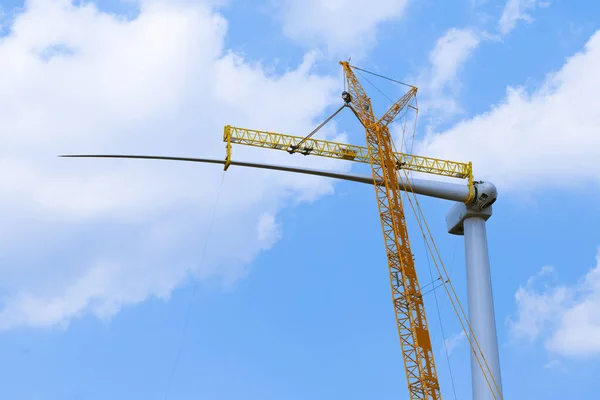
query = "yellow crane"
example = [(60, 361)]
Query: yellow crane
[(386, 164)]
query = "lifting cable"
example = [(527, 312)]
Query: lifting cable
[(195, 289), (376, 88), (433, 290), (432, 282), (381, 76), (416, 108), (296, 147), (306, 151)]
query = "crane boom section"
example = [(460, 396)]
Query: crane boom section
[(361, 103), (324, 148), (398, 106), (407, 299), (386, 164)]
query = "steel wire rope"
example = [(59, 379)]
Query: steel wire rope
[(416, 108), (195, 288), (404, 148), (296, 147), (379, 90), (381, 76)]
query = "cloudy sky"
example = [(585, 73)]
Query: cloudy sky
[(128, 279)]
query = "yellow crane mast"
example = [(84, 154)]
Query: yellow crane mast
[(406, 293), (385, 164)]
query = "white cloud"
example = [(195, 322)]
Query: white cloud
[(439, 84), (448, 55), (546, 138), (535, 309), (578, 332), (268, 230), (555, 364), (516, 10), (90, 236), (345, 27), (566, 317), (454, 341)]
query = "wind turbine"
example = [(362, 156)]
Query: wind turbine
[(467, 217)]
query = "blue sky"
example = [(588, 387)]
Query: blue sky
[(112, 284)]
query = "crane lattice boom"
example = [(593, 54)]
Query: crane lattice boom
[(386, 165), (406, 293)]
